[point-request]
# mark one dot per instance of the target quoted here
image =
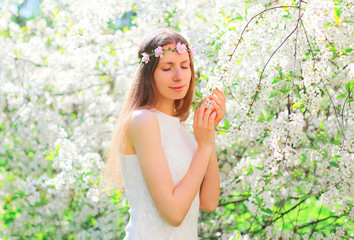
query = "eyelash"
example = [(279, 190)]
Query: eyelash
[(165, 70)]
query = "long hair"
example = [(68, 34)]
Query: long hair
[(143, 94)]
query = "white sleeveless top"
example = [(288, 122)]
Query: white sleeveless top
[(145, 221)]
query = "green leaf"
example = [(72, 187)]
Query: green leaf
[(261, 118), (328, 25), (258, 200), (268, 181), (272, 95), (198, 94), (303, 157), (276, 80), (337, 137), (227, 124), (336, 156), (337, 13), (325, 152), (348, 87), (348, 50), (303, 198), (332, 49), (57, 150), (342, 96), (222, 132), (270, 117), (50, 157), (334, 164), (297, 173), (298, 190), (267, 210), (296, 105)]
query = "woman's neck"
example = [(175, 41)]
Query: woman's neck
[(167, 108)]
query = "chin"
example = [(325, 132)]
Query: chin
[(183, 95)]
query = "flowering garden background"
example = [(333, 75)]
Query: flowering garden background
[(285, 149)]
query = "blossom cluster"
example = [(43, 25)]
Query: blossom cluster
[(159, 52), (285, 145)]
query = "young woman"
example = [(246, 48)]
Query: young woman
[(167, 173)]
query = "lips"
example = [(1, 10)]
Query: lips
[(178, 87)]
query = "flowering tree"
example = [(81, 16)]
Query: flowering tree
[(285, 149)]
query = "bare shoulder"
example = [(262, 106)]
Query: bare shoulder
[(143, 121), (143, 117)]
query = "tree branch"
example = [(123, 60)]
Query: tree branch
[(294, 64)]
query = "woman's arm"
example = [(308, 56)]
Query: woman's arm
[(210, 189), (172, 202)]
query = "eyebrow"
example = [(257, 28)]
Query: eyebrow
[(172, 63)]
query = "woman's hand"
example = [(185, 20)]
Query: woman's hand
[(203, 125), (218, 103)]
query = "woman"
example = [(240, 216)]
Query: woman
[(167, 174)]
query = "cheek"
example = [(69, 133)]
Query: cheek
[(159, 77), (188, 74)]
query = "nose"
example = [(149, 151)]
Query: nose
[(177, 75)]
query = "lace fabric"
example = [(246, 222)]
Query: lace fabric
[(145, 221)]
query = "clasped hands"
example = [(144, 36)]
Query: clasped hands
[(217, 100), (206, 119)]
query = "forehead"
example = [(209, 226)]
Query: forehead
[(175, 56)]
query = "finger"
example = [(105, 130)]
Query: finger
[(223, 96), (216, 106), (195, 115), (216, 100), (212, 119), (207, 115), (201, 113), (220, 95), (221, 102)]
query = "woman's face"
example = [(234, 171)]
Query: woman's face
[(172, 75)]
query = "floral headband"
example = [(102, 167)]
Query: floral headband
[(159, 52)]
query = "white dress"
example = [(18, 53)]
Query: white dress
[(145, 221)]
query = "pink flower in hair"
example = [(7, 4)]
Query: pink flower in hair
[(146, 58), (158, 52), (192, 51), (181, 48)]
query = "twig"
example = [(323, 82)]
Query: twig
[(78, 90), (232, 202), (260, 77), (297, 216), (340, 129), (281, 215), (317, 221), (250, 22), (233, 96), (318, 217), (314, 67), (342, 114), (255, 216), (294, 64), (29, 61), (308, 41)]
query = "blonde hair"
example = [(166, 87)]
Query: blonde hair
[(143, 94)]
